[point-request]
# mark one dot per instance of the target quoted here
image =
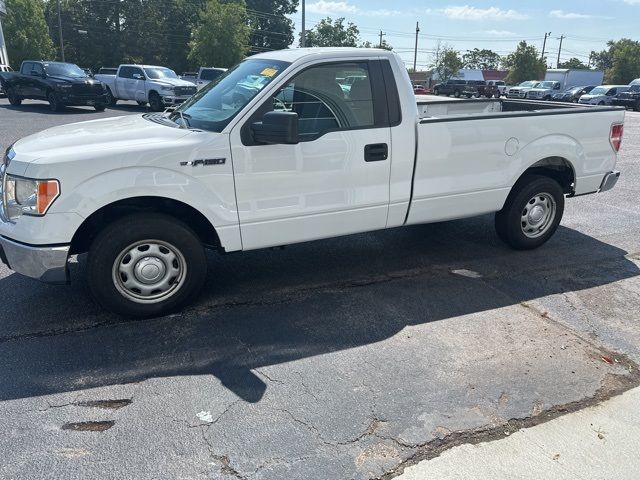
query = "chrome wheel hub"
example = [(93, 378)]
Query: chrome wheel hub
[(538, 215), (149, 271)]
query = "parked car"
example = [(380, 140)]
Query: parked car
[(484, 89), (571, 94), (500, 85), (3, 69), (61, 84), (457, 88), (420, 90), (603, 95), (630, 98), (158, 86), (544, 90), (523, 89), (206, 75), (189, 76), (107, 71), (144, 195)]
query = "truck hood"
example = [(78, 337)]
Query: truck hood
[(95, 135), (173, 82), (73, 80)]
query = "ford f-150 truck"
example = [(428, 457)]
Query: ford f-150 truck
[(60, 84), (275, 153), (158, 86)]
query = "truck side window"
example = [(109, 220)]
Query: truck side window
[(335, 96), (26, 68), (37, 68)]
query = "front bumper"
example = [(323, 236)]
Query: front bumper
[(81, 100), (517, 94), (45, 263), (173, 100)]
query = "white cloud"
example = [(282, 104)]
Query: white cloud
[(499, 33), (569, 15), (322, 7), (467, 12)]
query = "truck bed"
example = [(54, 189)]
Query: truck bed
[(471, 153)]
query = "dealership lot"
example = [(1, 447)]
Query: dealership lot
[(344, 358)]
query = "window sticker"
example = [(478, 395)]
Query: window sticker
[(269, 72)]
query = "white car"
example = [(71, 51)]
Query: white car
[(523, 89), (160, 87), (544, 90), (603, 95), (208, 74), (276, 153)]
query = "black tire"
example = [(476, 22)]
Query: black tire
[(155, 102), (108, 256), (100, 107), (14, 99), (510, 221), (547, 98), (574, 100), (601, 103), (111, 100), (142, 104), (436, 91), (456, 94), (497, 95), (54, 103)]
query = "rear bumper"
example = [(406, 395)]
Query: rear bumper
[(45, 263), (609, 181)]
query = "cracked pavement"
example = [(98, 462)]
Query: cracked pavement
[(348, 358)]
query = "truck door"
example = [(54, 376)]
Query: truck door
[(137, 89), (23, 84), (335, 181), (127, 82), (39, 86)]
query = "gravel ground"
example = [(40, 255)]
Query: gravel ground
[(344, 358)]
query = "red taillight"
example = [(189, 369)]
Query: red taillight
[(616, 136)]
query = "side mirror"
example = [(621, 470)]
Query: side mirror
[(277, 128), (138, 76)]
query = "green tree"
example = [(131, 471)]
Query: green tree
[(624, 64), (481, 59), (524, 64), (601, 60), (222, 35), (385, 45), (271, 29), (447, 63), (26, 32), (574, 63), (330, 33)]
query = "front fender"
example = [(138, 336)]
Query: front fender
[(216, 204)]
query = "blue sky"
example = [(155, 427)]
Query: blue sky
[(497, 25)]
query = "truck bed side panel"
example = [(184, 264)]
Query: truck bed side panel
[(466, 166)]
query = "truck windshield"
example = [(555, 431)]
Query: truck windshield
[(213, 107), (156, 73), (64, 70), (546, 84), (528, 84)]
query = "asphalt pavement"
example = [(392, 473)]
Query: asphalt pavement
[(345, 358)]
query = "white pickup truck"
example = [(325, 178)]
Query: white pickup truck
[(276, 153), (158, 86)]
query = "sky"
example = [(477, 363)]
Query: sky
[(497, 25)]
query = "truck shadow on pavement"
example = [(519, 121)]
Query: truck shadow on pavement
[(268, 307)]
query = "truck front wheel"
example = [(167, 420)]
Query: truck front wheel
[(146, 265), (54, 103), (532, 212), (14, 98), (155, 102)]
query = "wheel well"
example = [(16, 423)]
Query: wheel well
[(557, 168), (97, 221)]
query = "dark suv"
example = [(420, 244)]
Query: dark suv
[(457, 88), (484, 90), (630, 98)]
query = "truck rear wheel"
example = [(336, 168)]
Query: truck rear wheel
[(531, 214), (146, 265), (14, 99)]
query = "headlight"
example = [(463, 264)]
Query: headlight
[(26, 196), (167, 89)]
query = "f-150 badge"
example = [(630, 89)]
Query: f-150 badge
[(204, 162)]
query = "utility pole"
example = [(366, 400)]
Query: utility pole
[(381, 35), (562, 37), (544, 45), (302, 39), (60, 32), (415, 51)]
